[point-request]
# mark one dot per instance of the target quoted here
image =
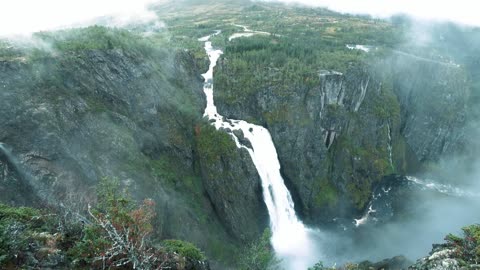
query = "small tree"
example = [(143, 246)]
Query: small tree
[(118, 233), (467, 248)]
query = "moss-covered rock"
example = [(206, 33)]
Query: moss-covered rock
[(231, 182)]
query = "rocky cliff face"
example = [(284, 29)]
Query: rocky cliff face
[(332, 138), (433, 97), (337, 138), (72, 117), (232, 183)]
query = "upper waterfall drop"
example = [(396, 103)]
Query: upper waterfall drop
[(290, 238)]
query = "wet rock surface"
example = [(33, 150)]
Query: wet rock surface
[(70, 119), (345, 134)]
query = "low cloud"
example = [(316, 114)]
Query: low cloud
[(23, 17), (459, 11)]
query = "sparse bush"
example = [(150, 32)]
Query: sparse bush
[(119, 231), (116, 235), (183, 248), (27, 234)]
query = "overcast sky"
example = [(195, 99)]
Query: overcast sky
[(26, 16)]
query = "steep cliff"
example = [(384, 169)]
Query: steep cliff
[(111, 103), (433, 97), (231, 182), (339, 133), (332, 138), (80, 105)]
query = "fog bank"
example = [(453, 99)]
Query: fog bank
[(23, 17)]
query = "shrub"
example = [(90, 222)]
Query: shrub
[(467, 248), (183, 248), (119, 234), (212, 144), (119, 231), (16, 228)]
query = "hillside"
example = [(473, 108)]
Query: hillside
[(350, 104)]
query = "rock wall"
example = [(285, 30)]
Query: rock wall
[(433, 97), (337, 138), (71, 118)]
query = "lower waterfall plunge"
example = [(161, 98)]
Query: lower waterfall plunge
[(290, 238)]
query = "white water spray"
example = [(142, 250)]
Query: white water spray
[(390, 147), (364, 219), (443, 188), (290, 238), (8, 155)]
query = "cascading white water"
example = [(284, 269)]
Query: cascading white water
[(443, 188), (390, 147), (12, 160), (290, 238), (8, 155)]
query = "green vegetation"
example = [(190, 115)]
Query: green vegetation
[(371, 163), (386, 106), (117, 215), (279, 64), (212, 144), (61, 58), (467, 247), (302, 43), (359, 193), (31, 237), (285, 64), (260, 255), (183, 248), (95, 38), (378, 122), (320, 266), (140, 98), (44, 45), (327, 194), (18, 227), (272, 71), (117, 232), (347, 266), (8, 52)]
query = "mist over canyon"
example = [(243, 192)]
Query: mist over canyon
[(256, 134)]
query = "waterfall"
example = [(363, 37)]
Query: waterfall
[(443, 188), (10, 158), (389, 146), (290, 238), (15, 164)]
